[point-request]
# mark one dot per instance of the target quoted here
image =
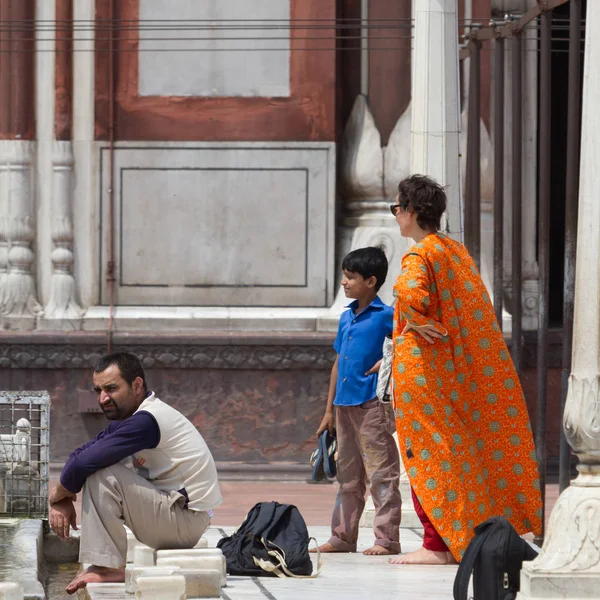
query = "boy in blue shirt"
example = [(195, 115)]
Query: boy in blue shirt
[(366, 447)]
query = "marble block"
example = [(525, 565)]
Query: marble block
[(202, 583), (197, 561), (191, 552), (202, 543), (9, 590), (133, 572), (169, 587), (144, 556)]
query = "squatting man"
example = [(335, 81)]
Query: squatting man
[(150, 469)]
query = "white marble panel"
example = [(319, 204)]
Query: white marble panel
[(214, 48), (242, 224), (217, 213)]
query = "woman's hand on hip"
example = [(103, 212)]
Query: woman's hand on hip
[(428, 332)]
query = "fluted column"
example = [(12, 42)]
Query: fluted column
[(435, 103), (20, 304), (62, 304), (56, 164), (569, 563), (4, 175)]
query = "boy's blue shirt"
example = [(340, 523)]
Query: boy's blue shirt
[(359, 343)]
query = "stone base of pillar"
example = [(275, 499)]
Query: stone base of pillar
[(569, 564), (551, 586), (50, 324), (18, 323)]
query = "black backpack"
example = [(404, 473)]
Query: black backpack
[(495, 557), (272, 540)]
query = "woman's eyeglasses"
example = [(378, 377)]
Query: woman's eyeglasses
[(396, 207)]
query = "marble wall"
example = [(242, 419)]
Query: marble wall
[(238, 48), (220, 224)]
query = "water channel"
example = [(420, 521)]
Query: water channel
[(18, 559)]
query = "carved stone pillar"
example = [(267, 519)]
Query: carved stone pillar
[(369, 176), (62, 304), (4, 180), (18, 304), (375, 156), (20, 308), (375, 145), (569, 563)]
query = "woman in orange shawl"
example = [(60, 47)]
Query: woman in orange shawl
[(463, 427)]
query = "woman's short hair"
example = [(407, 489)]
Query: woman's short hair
[(426, 198)]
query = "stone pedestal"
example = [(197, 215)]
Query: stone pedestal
[(569, 563)]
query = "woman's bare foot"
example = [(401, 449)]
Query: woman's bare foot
[(96, 575), (378, 550), (327, 548), (451, 559), (422, 556)]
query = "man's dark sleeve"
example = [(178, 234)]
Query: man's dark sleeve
[(116, 442)]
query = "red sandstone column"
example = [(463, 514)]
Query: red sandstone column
[(64, 68), (389, 63)]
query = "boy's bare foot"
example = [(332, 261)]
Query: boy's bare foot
[(378, 550), (422, 556), (327, 548), (96, 575)]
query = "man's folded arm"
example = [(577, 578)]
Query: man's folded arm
[(115, 443)]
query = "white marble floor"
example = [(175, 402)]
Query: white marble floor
[(344, 576)]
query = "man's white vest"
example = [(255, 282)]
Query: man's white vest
[(181, 460)]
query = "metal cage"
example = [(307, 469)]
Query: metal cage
[(24, 453)]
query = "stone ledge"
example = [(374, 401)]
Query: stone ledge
[(210, 350)]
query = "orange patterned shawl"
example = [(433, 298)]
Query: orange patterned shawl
[(462, 422)]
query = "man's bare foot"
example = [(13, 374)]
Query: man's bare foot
[(422, 556), (327, 548), (96, 575), (378, 550)]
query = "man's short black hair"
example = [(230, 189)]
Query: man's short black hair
[(129, 365), (367, 262)]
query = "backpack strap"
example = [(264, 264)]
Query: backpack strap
[(280, 569), (465, 569)]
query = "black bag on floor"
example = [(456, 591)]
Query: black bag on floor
[(273, 540), (495, 557)]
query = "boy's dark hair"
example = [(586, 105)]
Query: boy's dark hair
[(129, 365), (367, 262), (425, 197)]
